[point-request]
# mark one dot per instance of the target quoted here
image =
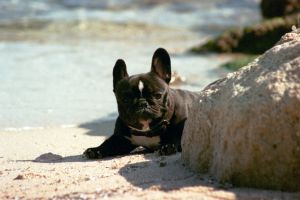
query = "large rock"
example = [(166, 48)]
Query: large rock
[(246, 127), (257, 38), (252, 40), (277, 8)]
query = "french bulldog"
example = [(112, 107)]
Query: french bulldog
[(151, 114)]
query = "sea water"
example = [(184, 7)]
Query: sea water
[(56, 57)]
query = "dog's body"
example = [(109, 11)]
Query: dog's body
[(151, 114)]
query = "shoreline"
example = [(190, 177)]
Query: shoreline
[(33, 128), (47, 163)]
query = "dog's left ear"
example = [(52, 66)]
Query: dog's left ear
[(119, 72), (161, 64)]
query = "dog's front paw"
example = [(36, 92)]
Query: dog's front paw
[(92, 153), (167, 149)]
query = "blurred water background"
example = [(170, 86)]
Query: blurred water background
[(56, 56)]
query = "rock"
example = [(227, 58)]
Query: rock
[(260, 37), (48, 157), (277, 8), (251, 40), (245, 129)]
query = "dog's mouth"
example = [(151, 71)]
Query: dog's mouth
[(143, 111), (143, 125)]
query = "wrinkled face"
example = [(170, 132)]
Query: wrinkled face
[(142, 100)]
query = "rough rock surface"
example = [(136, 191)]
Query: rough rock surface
[(246, 127)]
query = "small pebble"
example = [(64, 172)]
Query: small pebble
[(19, 177)]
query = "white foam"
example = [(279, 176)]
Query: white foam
[(27, 128), (68, 126)]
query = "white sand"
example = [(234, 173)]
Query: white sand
[(28, 172)]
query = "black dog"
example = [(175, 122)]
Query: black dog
[(151, 114)]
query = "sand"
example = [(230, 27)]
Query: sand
[(47, 164)]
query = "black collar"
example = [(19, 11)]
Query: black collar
[(155, 131)]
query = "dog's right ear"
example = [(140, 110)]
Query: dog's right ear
[(119, 72), (161, 64)]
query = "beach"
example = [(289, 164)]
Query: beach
[(48, 164), (56, 97)]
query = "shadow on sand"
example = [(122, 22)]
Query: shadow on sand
[(167, 173), (101, 127), (54, 158), (162, 172)]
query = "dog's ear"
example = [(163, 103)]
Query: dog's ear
[(119, 72), (161, 64)]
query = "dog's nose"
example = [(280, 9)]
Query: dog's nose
[(142, 103)]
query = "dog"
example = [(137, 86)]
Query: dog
[(151, 114)]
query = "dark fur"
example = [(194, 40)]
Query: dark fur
[(156, 103)]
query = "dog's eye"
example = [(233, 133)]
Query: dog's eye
[(125, 100), (157, 96), (125, 97)]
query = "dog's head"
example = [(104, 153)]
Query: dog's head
[(143, 99)]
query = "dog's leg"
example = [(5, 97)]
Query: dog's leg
[(116, 145), (113, 146), (171, 140)]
